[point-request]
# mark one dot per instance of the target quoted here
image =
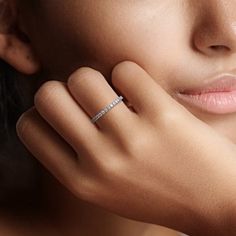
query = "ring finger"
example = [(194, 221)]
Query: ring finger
[(91, 90)]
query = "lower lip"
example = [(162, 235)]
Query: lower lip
[(212, 102)]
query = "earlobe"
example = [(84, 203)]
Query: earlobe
[(18, 54), (14, 49)]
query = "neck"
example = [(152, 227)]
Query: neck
[(77, 217)]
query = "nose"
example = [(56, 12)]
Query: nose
[(215, 30)]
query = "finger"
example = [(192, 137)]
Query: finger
[(47, 146), (55, 104), (146, 96), (93, 93)]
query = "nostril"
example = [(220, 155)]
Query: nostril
[(219, 48)]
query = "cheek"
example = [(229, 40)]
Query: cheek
[(157, 42), (105, 34)]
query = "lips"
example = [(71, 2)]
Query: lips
[(217, 95)]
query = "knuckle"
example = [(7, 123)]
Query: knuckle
[(83, 73), (138, 144), (112, 167), (45, 92), (123, 67), (24, 122), (170, 120), (85, 188), (121, 71)]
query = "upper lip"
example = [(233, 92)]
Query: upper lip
[(224, 82)]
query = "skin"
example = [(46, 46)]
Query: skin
[(141, 32)]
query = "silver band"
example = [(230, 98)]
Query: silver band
[(106, 109)]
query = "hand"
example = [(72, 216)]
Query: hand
[(156, 163)]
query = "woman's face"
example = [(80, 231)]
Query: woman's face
[(179, 43)]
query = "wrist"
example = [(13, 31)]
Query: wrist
[(215, 213), (218, 217), (229, 220)]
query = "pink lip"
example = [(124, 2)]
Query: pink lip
[(217, 97)]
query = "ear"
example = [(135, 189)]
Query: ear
[(15, 48)]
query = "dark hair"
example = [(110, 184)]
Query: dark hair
[(19, 175)]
